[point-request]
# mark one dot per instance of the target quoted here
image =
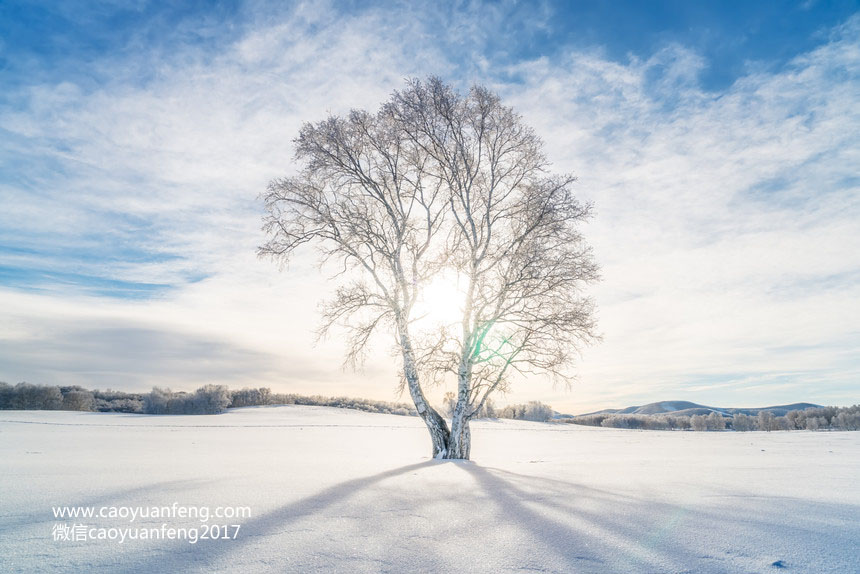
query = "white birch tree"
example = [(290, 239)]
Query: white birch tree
[(439, 181)]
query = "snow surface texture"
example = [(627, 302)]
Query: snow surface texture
[(343, 491)]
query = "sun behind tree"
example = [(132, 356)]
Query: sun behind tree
[(441, 302), (455, 238)]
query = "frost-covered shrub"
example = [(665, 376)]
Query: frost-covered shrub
[(826, 413), (250, 397), (283, 399), (537, 411), (157, 401), (796, 419), (846, 421), (615, 422), (531, 411), (715, 422), (765, 421), (657, 423), (698, 423), (366, 405), (207, 400), (118, 405), (586, 420), (117, 401), (25, 396), (742, 422), (78, 400), (681, 422), (780, 423), (75, 398)]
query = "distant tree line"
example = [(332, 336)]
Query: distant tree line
[(366, 405), (26, 396), (531, 411), (208, 399), (211, 399), (813, 418), (647, 422)]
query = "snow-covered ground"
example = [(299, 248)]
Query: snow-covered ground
[(334, 490)]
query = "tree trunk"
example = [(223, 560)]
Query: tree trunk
[(440, 436), (460, 444), (439, 433), (461, 436)]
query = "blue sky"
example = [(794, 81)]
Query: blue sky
[(718, 141), (61, 40)]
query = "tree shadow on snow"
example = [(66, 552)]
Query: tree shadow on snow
[(212, 554), (595, 530), (579, 528), (523, 522)]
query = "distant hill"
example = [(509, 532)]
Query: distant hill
[(687, 408)]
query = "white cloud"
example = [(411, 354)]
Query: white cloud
[(727, 224)]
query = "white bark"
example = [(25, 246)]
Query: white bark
[(439, 433)]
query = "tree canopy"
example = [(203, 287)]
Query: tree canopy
[(438, 183)]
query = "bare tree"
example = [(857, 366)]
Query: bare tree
[(742, 422), (716, 421), (765, 421), (513, 239), (699, 422), (438, 181)]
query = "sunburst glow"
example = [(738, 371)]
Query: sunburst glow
[(441, 302)]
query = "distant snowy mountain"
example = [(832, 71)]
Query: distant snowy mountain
[(687, 408)]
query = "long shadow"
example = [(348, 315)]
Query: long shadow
[(598, 542), (206, 552), (574, 528), (626, 533), (562, 486), (577, 547), (561, 495)]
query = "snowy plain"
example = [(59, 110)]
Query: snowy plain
[(334, 490)]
